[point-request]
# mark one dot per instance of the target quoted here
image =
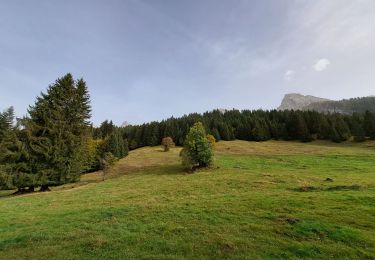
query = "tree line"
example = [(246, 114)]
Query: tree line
[(257, 125)]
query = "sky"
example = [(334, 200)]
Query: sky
[(146, 60)]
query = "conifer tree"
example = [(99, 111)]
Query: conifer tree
[(356, 128), (302, 130), (325, 130), (14, 157), (116, 144), (6, 121), (334, 136), (369, 124), (341, 127), (55, 128), (260, 131)]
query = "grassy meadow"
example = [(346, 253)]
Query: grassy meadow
[(268, 200)]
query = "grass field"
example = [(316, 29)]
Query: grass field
[(264, 201)]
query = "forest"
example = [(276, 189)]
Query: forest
[(56, 142)]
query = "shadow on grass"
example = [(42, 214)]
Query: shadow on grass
[(354, 187), (15, 193)]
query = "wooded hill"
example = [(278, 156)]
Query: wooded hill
[(257, 125), (295, 101), (345, 106)]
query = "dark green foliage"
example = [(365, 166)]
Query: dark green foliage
[(356, 128), (116, 145), (324, 128), (15, 157), (216, 134), (341, 128), (369, 124), (260, 131), (334, 136), (105, 129), (302, 130), (14, 168), (249, 125), (115, 141), (53, 135), (197, 150), (6, 122)]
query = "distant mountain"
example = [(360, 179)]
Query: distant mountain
[(298, 102), (345, 106)]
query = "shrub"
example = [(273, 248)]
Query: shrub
[(211, 139), (167, 143), (197, 151), (106, 162)]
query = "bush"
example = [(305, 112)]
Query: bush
[(167, 143), (106, 162), (197, 151), (212, 140)]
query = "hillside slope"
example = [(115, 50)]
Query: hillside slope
[(266, 200), (345, 106)]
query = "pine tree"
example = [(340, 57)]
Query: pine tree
[(334, 136), (216, 134), (260, 131), (324, 131), (369, 124), (6, 121), (126, 148), (15, 159), (302, 130), (342, 128), (55, 128), (116, 145), (106, 128)]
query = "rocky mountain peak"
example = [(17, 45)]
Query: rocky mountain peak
[(297, 101)]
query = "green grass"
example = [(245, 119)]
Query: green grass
[(265, 200)]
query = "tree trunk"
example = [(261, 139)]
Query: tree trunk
[(19, 191), (103, 174), (44, 188)]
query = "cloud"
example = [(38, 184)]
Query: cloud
[(321, 64), (289, 75)]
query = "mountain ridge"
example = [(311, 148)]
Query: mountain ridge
[(296, 101)]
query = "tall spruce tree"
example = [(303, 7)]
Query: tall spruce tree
[(356, 128), (6, 122), (55, 128), (369, 124), (14, 157), (116, 144)]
